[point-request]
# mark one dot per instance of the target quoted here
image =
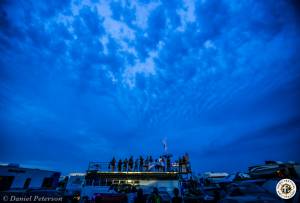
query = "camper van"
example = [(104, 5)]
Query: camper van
[(14, 177)]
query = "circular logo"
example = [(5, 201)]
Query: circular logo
[(286, 188)]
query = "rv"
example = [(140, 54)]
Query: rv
[(99, 180), (14, 177)]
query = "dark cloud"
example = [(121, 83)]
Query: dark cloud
[(215, 77)]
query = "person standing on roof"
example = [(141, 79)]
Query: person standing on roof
[(156, 165), (125, 163), (136, 165), (146, 166), (113, 164), (184, 164), (161, 164), (187, 163), (150, 159), (130, 163), (120, 165), (141, 163), (180, 164), (168, 163)]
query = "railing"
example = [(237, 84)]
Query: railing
[(151, 167)]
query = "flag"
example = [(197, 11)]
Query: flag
[(164, 142)]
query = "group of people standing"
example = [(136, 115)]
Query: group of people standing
[(155, 197), (161, 164)]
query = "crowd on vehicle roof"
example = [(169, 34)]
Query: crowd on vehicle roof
[(161, 164)]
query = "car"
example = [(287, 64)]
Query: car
[(244, 192)]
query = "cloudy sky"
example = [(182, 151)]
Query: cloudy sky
[(87, 80)]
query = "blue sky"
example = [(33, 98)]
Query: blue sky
[(87, 80)]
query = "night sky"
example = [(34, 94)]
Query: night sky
[(87, 80)]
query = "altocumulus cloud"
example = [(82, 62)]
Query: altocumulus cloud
[(86, 80)]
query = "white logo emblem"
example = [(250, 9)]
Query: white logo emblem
[(286, 188)]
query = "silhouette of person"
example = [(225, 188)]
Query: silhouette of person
[(146, 165), (120, 165), (168, 163), (140, 198), (176, 198), (113, 164), (150, 159), (130, 163), (180, 164), (136, 165), (141, 163), (184, 164), (154, 197), (125, 163), (156, 165)]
